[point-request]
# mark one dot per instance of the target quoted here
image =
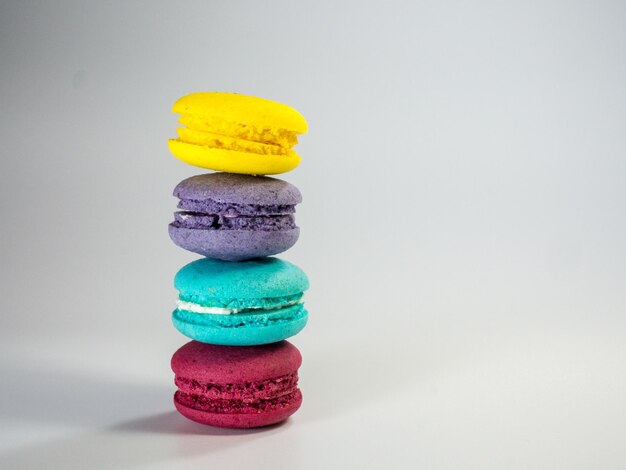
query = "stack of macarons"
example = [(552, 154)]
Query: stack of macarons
[(237, 303)]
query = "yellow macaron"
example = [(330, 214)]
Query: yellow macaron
[(237, 133)]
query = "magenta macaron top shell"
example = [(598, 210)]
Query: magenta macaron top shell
[(235, 217), (237, 387)]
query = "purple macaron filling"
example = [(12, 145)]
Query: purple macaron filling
[(196, 220), (213, 215)]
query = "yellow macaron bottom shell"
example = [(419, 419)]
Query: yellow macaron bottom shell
[(240, 130), (233, 161)]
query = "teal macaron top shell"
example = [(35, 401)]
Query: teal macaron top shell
[(262, 282)]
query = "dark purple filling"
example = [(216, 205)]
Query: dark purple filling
[(208, 206), (268, 223), (198, 402), (265, 389)]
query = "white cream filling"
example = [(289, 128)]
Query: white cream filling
[(201, 309)]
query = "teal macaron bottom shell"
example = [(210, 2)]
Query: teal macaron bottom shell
[(242, 329)]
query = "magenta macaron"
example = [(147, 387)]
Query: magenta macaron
[(237, 387)]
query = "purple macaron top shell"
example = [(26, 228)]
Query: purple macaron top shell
[(238, 189), (209, 363)]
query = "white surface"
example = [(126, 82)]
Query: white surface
[(462, 226)]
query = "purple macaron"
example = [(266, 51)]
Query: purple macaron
[(235, 217)]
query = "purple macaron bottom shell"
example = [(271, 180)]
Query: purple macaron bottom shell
[(268, 416), (234, 245)]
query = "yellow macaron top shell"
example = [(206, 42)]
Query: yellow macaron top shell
[(237, 133), (233, 107)]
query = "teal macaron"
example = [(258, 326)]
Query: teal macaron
[(240, 304)]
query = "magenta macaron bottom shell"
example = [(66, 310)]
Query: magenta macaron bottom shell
[(272, 412)]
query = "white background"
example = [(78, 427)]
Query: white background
[(463, 227)]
